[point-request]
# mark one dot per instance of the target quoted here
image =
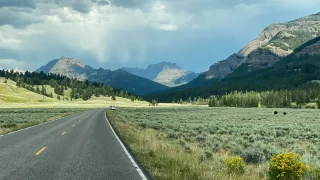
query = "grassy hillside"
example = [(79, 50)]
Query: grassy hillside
[(10, 93), (13, 97), (49, 90)]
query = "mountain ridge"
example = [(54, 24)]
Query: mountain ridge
[(295, 70), (166, 73), (299, 39), (275, 41), (119, 79)]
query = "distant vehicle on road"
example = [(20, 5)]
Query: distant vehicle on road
[(113, 107)]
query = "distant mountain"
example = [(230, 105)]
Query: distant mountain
[(274, 42), (297, 69), (285, 55), (46, 69), (165, 73), (119, 79), (301, 66)]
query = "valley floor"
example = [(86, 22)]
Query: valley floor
[(194, 142)]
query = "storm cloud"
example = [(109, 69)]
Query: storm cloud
[(115, 33)]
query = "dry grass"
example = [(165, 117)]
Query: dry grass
[(49, 90), (10, 93), (165, 159), (200, 139), (18, 127), (16, 119), (13, 97), (101, 102)]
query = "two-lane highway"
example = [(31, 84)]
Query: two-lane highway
[(81, 146)]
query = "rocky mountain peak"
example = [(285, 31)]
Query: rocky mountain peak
[(313, 17), (311, 50), (63, 61), (166, 73), (223, 68), (160, 66), (119, 79), (70, 67), (271, 31), (281, 39), (265, 36)]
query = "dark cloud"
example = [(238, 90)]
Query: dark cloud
[(18, 3), (185, 5), (18, 18), (129, 3), (101, 2), (83, 6), (201, 31), (196, 6)]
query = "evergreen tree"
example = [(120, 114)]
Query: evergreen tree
[(33, 80), (18, 82), (38, 90), (113, 97), (43, 91), (71, 94), (318, 102), (121, 94), (86, 95)]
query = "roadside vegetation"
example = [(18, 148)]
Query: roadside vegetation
[(222, 143), (16, 119)]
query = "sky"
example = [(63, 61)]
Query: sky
[(134, 33)]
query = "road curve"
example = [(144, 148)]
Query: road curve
[(81, 146)]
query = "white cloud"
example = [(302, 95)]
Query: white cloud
[(12, 64), (161, 18)]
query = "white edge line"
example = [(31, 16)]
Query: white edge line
[(127, 152), (36, 125)]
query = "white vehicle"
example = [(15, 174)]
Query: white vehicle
[(113, 108)]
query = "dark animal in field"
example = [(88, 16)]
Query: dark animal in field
[(275, 113), (284, 113)]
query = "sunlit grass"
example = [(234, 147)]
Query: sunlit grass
[(10, 93), (168, 140), (13, 97)]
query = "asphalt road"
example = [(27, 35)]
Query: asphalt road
[(81, 146)]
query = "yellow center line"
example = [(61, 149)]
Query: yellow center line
[(41, 150), (63, 133)]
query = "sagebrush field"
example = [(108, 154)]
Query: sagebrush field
[(15, 119), (194, 142)]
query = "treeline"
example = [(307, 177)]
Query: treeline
[(36, 82), (270, 99)]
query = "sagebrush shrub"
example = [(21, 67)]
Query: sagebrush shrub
[(253, 155), (235, 165), (287, 166), (313, 173)]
